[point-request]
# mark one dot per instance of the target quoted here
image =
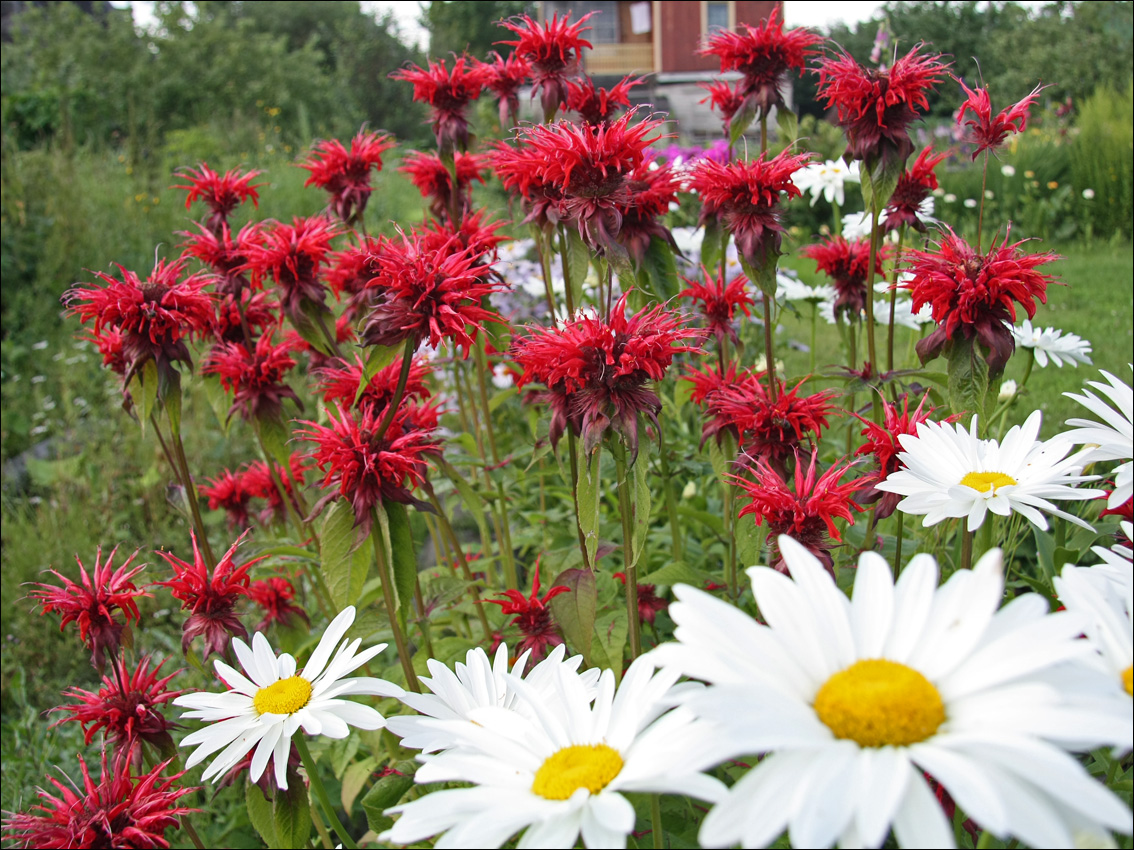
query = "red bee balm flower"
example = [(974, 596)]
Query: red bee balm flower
[(225, 255), (972, 295), (339, 383), (532, 617), (432, 178), (554, 49), (596, 371), (876, 107), (806, 511), (154, 317), (718, 300), (274, 596), (745, 196), (649, 603), (654, 188), (914, 186), (118, 810), (448, 94), (506, 77), (93, 600), (125, 708), (254, 378), (987, 132), (292, 255), (257, 479), (596, 105), (725, 99), (211, 598), (229, 491), (222, 192), (346, 174), (763, 55), (847, 263)]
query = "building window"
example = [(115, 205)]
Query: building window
[(603, 26), (717, 16)]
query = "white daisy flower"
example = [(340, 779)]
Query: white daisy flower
[(950, 473), (1049, 343), (1109, 627), (475, 683), (1114, 436), (827, 179), (1118, 560), (851, 700), (560, 767), (790, 288), (266, 707)]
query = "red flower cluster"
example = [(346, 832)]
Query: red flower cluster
[(847, 263), (118, 810), (914, 186), (649, 603), (254, 378), (805, 511), (764, 55), (448, 93), (553, 50), (718, 301), (225, 255), (432, 178), (244, 316), (506, 77), (211, 598), (92, 601), (596, 371), (152, 319), (974, 296), (882, 442), (532, 617), (292, 255), (223, 193), (988, 132), (233, 491), (745, 196), (875, 106), (346, 174), (429, 293), (726, 100), (274, 595), (339, 383), (654, 186), (596, 105)]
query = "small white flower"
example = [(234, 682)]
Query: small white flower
[(1051, 343), (970, 203), (690, 490), (1089, 194), (856, 226), (789, 288), (827, 179), (1008, 391), (988, 194), (950, 198), (948, 472), (1114, 436), (39, 346), (501, 378), (1008, 170), (266, 707)]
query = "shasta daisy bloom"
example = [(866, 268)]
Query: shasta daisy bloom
[(345, 174), (1051, 344), (93, 600), (268, 703), (506, 76), (876, 107), (274, 595), (292, 255), (847, 264), (431, 177), (448, 92), (553, 49), (852, 701), (948, 472), (116, 810), (532, 616), (718, 300), (1114, 436), (986, 131), (828, 179), (914, 188), (222, 193), (596, 105), (560, 768), (974, 297), (254, 378), (1107, 610)]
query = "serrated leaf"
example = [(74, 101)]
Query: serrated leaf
[(386, 792), (660, 268), (575, 611), (291, 811), (611, 631), (642, 503), (218, 400), (749, 541), (403, 563), (379, 357), (260, 813), (274, 434), (788, 125), (741, 121), (308, 328), (713, 246), (968, 378), (587, 496), (879, 179), (763, 274), (345, 568), (144, 389), (354, 778)]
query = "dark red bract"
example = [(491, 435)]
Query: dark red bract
[(274, 595), (847, 264), (914, 186), (448, 93), (292, 256), (223, 193), (432, 178), (718, 301), (255, 378), (594, 104)]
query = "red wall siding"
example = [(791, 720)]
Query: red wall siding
[(680, 30)]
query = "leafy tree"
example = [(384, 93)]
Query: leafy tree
[(456, 26)]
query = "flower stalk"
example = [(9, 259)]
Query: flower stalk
[(321, 793)]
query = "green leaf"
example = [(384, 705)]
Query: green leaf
[(274, 434), (578, 262), (500, 398), (354, 778), (341, 752), (611, 631), (659, 270), (171, 398), (218, 400), (404, 564), (473, 502), (879, 179), (345, 567), (763, 274), (587, 496), (675, 572), (642, 503), (788, 125), (575, 611), (386, 792), (968, 378), (291, 811), (146, 384), (714, 246), (379, 358), (749, 540), (741, 121), (307, 327), (260, 814)]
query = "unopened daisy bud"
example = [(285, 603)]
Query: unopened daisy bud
[(1007, 391)]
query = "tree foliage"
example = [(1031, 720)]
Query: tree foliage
[(456, 26)]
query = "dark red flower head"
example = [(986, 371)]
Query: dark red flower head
[(244, 316), (553, 48), (432, 178), (292, 255), (988, 132), (805, 511), (154, 317), (448, 93), (345, 174), (362, 467), (725, 99), (718, 300), (92, 601), (254, 378), (126, 708), (117, 810), (596, 105), (745, 196), (764, 55), (225, 255), (975, 296), (274, 595), (914, 186), (654, 187), (432, 293), (211, 597), (876, 106), (229, 491), (649, 603), (506, 77), (847, 264), (597, 371), (339, 382), (532, 617), (473, 232), (257, 479), (222, 192)]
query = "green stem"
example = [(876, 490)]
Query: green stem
[(182, 466), (985, 536), (769, 355), (814, 324), (871, 348), (898, 544), (455, 544), (324, 836), (545, 264), (838, 218), (626, 509), (980, 216), (507, 559), (656, 822), (966, 548), (400, 389), (321, 792), (670, 499), (575, 498), (423, 617), (388, 597), (893, 303), (332, 343)]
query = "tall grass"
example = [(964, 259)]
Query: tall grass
[(1103, 159)]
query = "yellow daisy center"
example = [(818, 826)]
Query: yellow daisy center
[(286, 696), (1128, 681), (590, 766), (985, 482), (880, 703)]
